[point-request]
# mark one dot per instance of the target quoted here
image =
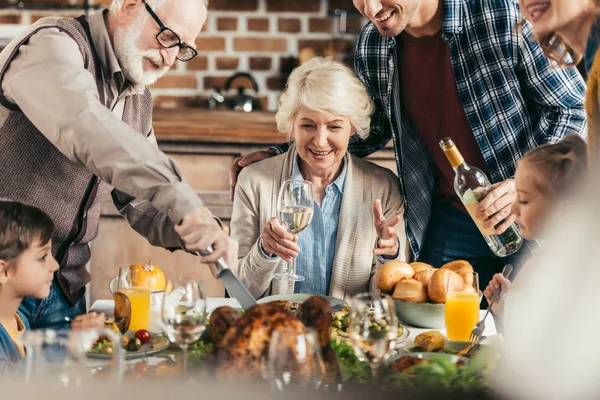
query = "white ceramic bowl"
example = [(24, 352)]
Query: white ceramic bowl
[(423, 315)]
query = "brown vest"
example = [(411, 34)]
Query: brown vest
[(35, 172)]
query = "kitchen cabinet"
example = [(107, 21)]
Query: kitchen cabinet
[(204, 143)]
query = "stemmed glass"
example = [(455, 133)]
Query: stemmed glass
[(58, 357), (294, 210), (183, 314), (294, 361), (373, 328)]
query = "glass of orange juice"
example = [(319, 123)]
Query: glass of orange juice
[(462, 311), (134, 283)]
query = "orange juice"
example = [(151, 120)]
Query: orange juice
[(462, 313), (140, 307)]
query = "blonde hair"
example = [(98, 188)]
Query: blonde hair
[(561, 165), (327, 86)]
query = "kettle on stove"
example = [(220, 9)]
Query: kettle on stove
[(241, 101)]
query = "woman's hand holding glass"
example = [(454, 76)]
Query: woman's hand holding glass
[(388, 244), (276, 240)]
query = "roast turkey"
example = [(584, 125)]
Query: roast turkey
[(242, 342)]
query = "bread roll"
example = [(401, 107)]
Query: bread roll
[(430, 341), (410, 290), (424, 275), (443, 281), (391, 272), (469, 289), (464, 269), (420, 266)]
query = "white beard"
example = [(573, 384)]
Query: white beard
[(131, 58)]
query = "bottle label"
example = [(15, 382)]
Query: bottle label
[(471, 200)]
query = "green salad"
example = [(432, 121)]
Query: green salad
[(199, 353), (351, 368), (441, 373)]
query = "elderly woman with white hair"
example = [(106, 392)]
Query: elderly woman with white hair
[(358, 219)]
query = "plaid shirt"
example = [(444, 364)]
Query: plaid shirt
[(513, 99)]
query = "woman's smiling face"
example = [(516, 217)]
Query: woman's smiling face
[(321, 139)]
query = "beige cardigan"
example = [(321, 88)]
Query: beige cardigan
[(354, 265)]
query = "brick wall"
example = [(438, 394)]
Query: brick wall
[(263, 37)]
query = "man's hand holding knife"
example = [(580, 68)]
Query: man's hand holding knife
[(199, 230)]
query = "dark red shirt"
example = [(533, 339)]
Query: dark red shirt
[(430, 100)]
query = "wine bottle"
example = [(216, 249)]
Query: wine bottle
[(472, 185)]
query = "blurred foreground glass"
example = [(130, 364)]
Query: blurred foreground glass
[(373, 328), (462, 311), (294, 361), (59, 358), (184, 314)]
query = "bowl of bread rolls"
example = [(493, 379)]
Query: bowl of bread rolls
[(419, 290)]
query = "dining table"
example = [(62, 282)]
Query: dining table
[(107, 307)]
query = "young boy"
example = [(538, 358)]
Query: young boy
[(26, 269)]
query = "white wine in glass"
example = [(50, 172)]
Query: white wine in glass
[(184, 314), (295, 207)]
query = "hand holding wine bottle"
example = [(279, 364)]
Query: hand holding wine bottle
[(495, 207), (388, 244), (477, 194)]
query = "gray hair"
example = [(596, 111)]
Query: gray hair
[(327, 86), (116, 4)]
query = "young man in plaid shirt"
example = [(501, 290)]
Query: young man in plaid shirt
[(463, 69)]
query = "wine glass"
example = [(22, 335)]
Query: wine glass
[(294, 211), (373, 328), (294, 360), (184, 314), (462, 310), (58, 357)]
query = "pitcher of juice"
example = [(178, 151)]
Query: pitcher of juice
[(462, 311), (132, 296)]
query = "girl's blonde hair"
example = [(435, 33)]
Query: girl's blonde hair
[(327, 86), (560, 165)]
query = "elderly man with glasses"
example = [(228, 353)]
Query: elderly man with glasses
[(76, 126)]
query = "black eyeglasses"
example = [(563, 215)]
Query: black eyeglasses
[(169, 39)]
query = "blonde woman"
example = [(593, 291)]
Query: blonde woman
[(563, 28), (358, 220)]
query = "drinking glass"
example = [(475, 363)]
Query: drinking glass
[(183, 314), (58, 358), (462, 311), (373, 328), (294, 360), (294, 210), (133, 295)]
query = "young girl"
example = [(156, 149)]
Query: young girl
[(544, 181)]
